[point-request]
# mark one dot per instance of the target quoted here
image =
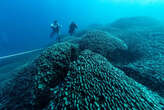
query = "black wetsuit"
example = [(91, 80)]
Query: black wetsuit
[(72, 28)]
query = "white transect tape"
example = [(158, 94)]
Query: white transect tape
[(19, 54)]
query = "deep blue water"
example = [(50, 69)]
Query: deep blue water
[(25, 24)]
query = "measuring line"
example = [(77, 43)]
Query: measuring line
[(19, 54)]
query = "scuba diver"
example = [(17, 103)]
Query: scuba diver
[(55, 29), (72, 28)]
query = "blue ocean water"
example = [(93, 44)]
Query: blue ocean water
[(25, 25)]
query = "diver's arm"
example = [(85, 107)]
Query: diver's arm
[(52, 26)]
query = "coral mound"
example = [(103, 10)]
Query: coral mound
[(93, 83), (53, 64), (32, 84), (52, 67), (145, 39), (103, 43)]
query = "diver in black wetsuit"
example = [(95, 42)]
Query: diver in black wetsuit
[(72, 28), (55, 29)]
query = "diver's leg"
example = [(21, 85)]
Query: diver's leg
[(71, 32), (58, 37), (52, 34)]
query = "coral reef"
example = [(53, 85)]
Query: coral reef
[(95, 70), (141, 38), (32, 83), (53, 63), (57, 80), (93, 83), (103, 43), (52, 67), (146, 73), (18, 93), (145, 51)]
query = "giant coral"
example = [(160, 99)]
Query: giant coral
[(62, 77), (52, 67), (93, 83), (103, 43)]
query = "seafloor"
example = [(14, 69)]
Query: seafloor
[(119, 66)]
